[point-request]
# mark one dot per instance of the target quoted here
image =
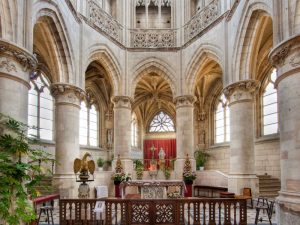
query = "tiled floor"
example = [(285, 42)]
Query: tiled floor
[(250, 216)]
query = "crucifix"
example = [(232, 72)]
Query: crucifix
[(152, 149)]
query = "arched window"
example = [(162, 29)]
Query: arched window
[(269, 106), (222, 121), (40, 107), (88, 125), (134, 132), (161, 123)]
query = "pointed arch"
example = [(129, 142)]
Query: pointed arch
[(204, 53), (254, 11), (103, 55), (153, 65), (59, 46)]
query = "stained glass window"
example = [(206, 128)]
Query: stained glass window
[(40, 107), (88, 125), (162, 123), (269, 109), (222, 121)]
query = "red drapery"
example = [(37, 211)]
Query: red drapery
[(168, 145)]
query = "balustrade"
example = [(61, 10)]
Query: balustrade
[(189, 211), (202, 20)]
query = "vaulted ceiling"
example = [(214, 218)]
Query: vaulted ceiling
[(153, 94)]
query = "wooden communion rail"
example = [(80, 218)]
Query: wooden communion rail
[(184, 211)]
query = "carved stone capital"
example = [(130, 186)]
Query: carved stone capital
[(67, 94), (122, 102), (185, 101), (286, 57), (16, 56), (241, 91)]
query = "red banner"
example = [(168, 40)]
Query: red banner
[(169, 147)]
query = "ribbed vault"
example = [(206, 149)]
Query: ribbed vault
[(153, 94)]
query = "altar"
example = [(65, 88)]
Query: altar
[(155, 189)]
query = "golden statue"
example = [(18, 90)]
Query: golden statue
[(84, 166)]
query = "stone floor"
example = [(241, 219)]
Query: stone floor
[(250, 216)]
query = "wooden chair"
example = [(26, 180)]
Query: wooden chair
[(247, 194)]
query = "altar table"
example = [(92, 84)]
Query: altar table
[(158, 187)]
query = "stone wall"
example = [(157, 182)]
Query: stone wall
[(267, 157)]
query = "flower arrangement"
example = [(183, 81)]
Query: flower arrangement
[(119, 177), (188, 175)]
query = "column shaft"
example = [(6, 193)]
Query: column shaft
[(67, 101), (184, 131), (15, 66), (242, 161), (286, 58), (122, 130)]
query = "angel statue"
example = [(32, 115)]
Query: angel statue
[(84, 167)]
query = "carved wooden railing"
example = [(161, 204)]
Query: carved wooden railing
[(190, 211), (202, 20)]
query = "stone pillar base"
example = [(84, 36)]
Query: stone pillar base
[(236, 183), (288, 208), (178, 167), (66, 185)]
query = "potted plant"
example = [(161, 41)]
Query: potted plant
[(107, 164), (188, 177), (201, 158), (100, 163), (139, 168), (167, 173), (18, 177)]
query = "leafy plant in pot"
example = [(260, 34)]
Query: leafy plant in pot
[(201, 158), (18, 176), (100, 163), (139, 169)]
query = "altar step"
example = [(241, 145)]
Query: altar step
[(268, 186), (45, 186)]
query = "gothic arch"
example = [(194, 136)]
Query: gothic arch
[(153, 65), (58, 41), (247, 29), (204, 53), (103, 55)]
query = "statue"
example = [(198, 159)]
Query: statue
[(84, 167), (161, 154)]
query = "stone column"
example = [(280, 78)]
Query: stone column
[(286, 57), (122, 131), (67, 107), (184, 132), (16, 64), (242, 162)]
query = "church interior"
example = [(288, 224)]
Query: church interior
[(150, 112)]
